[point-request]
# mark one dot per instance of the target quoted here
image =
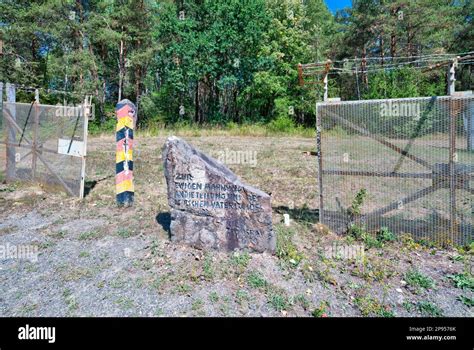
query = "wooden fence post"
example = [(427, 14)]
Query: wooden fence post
[(126, 118)]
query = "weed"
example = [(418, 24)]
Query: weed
[(27, 309), (429, 309), (197, 305), (241, 260), (124, 232), (286, 249), (385, 235), (359, 233), (457, 258), (84, 254), (357, 202), (326, 277), (256, 280), (408, 306), (213, 297), (59, 234), (125, 303), (469, 302), (183, 288), (462, 281), (88, 235), (72, 303), (301, 300), (278, 301), (409, 243), (370, 306), (321, 310), (207, 268), (241, 296), (157, 283), (308, 272), (75, 274), (67, 292), (118, 283), (416, 279), (159, 312), (373, 270)]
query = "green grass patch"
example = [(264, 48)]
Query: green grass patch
[(416, 279), (429, 309), (370, 306), (462, 281), (208, 268), (285, 248), (469, 302), (279, 127), (125, 232), (256, 280), (377, 240), (89, 235), (213, 297), (278, 301), (321, 310), (241, 260)]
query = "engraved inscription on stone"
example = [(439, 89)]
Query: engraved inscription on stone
[(210, 206)]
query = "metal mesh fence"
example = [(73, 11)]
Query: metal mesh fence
[(410, 160), (44, 144)]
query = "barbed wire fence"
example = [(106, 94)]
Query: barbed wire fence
[(45, 144), (410, 160)]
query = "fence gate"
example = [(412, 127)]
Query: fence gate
[(45, 144), (414, 159)]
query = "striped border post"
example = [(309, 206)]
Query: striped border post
[(126, 118)]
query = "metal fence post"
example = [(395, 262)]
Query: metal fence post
[(453, 109), (11, 136), (35, 141), (320, 164)]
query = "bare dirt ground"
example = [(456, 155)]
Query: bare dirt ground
[(95, 259)]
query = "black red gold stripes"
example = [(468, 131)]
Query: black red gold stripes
[(126, 117)]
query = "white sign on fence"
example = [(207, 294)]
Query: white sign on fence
[(76, 148)]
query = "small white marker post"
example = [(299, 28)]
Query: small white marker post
[(286, 218)]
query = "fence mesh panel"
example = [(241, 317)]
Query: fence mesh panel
[(57, 135), (412, 159)]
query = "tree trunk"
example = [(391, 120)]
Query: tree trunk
[(196, 103), (364, 66), (382, 54), (121, 71), (138, 77)]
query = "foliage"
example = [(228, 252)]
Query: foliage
[(385, 235), (256, 280), (357, 202), (286, 249), (416, 279), (216, 62), (469, 302), (370, 306), (278, 301), (462, 280), (429, 309), (321, 310)]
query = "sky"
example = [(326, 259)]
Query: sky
[(335, 5)]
